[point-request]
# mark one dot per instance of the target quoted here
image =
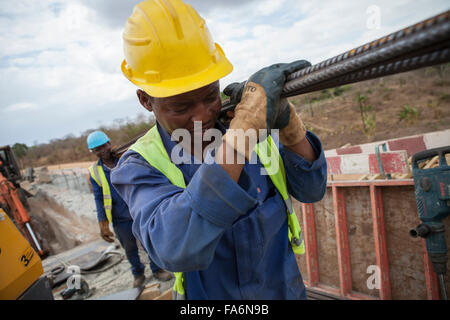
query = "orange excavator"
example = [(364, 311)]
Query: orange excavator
[(13, 198)]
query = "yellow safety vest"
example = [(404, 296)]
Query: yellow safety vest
[(152, 149), (99, 176)]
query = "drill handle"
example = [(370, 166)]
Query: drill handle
[(427, 154)]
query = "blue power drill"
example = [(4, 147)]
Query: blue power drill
[(432, 191)]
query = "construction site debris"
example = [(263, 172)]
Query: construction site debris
[(166, 295), (128, 294), (150, 292), (42, 176), (107, 281)]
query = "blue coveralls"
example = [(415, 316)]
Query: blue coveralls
[(122, 223), (231, 240)]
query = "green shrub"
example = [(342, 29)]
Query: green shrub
[(408, 114), (368, 115), (444, 98)]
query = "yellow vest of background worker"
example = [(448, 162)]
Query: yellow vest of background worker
[(99, 177)]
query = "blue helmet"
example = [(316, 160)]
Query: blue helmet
[(96, 139)]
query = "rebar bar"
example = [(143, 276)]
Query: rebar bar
[(423, 44)]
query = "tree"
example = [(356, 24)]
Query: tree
[(20, 150)]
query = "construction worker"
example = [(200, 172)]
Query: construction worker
[(112, 209), (226, 228)]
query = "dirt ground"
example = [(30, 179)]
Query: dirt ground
[(62, 218), (337, 119)]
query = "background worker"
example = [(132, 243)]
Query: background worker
[(112, 209), (225, 228)]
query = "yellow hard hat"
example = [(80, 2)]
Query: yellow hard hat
[(169, 50)]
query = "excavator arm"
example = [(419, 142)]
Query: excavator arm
[(11, 203)]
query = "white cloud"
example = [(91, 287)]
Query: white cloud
[(268, 7), (21, 106)]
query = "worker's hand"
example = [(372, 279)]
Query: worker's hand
[(106, 234), (234, 91), (292, 129), (262, 93), (259, 106)]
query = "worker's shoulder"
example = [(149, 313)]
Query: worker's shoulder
[(133, 165), (133, 169), (131, 158)]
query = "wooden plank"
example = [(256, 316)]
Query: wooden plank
[(343, 248), (380, 241), (167, 295), (366, 163), (432, 163), (367, 183), (150, 292), (312, 264)]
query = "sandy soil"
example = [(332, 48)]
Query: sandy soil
[(84, 164), (62, 218)]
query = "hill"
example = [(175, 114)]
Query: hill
[(74, 149), (400, 105)]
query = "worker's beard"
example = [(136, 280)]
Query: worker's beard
[(106, 156)]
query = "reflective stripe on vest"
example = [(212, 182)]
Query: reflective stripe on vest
[(267, 152), (152, 149), (99, 177)]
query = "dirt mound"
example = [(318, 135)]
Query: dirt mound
[(58, 228)]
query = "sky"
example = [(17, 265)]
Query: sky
[(60, 60)]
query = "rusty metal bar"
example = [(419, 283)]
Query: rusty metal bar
[(337, 293), (422, 44), (431, 279), (312, 264), (343, 248), (325, 289), (360, 296), (379, 233)]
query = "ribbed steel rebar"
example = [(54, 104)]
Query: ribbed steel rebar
[(423, 44)]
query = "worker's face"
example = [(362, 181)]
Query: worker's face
[(103, 152), (180, 111)]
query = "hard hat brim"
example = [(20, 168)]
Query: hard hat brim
[(96, 145), (172, 87)]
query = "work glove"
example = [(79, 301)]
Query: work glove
[(260, 106), (106, 234), (292, 129), (234, 91)]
